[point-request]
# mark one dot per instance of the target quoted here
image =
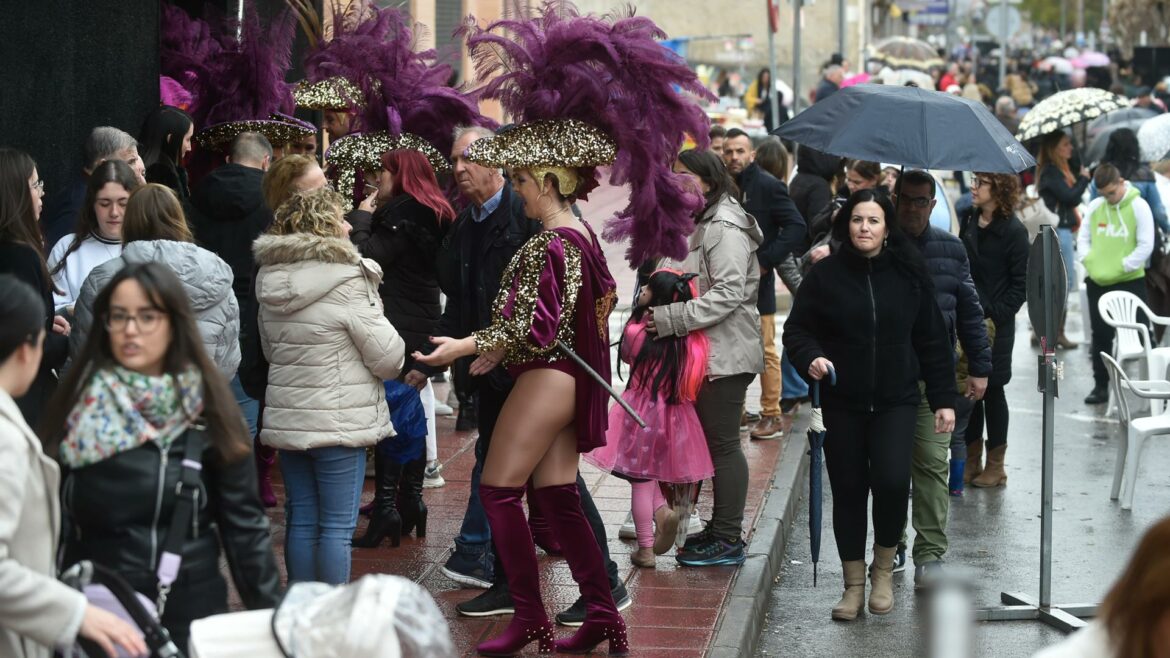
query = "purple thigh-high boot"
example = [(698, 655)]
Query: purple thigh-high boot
[(513, 543), (542, 533), (562, 508)]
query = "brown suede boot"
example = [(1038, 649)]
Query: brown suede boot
[(1063, 341), (993, 475), (974, 461), (881, 579), (853, 600)]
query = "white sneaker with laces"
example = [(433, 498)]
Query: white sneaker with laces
[(432, 479), (442, 409)]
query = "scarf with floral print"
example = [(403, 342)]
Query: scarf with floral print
[(121, 410)]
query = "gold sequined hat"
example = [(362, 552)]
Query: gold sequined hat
[(278, 129), (334, 93), (363, 152), (555, 146)]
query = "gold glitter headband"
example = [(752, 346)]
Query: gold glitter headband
[(336, 93), (558, 143), (567, 179), (220, 135)]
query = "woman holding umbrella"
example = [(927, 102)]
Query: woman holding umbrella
[(1062, 192), (850, 316)]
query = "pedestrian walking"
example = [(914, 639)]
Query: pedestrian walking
[(143, 421), (850, 316), (38, 613), (1115, 246), (155, 230), (722, 250), (329, 348), (766, 199), (97, 237), (402, 234), (22, 254), (165, 139), (997, 248), (666, 373), (958, 299), (1062, 192)]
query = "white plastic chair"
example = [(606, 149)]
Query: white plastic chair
[(1137, 430), (1120, 309)]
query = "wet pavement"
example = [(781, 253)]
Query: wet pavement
[(994, 533)]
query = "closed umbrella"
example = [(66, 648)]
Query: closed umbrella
[(1154, 137), (906, 53), (816, 444), (908, 126), (1067, 108)]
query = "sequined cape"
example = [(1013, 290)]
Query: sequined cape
[(558, 288)]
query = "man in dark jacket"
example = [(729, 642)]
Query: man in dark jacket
[(765, 198), (226, 212), (830, 82), (946, 260), (471, 262)]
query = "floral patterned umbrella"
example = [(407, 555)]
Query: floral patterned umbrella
[(1067, 108)]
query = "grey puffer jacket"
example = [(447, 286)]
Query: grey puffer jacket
[(207, 280), (723, 253), (328, 344)]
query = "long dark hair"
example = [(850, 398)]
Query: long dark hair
[(162, 135), (905, 256), (708, 167), (671, 366), (110, 171), (18, 221), (23, 311), (1122, 151), (226, 430)]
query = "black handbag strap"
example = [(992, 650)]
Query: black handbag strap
[(185, 512)]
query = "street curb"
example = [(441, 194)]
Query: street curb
[(742, 617)]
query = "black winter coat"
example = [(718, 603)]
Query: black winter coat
[(470, 293), (811, 190), (766, 199), (403, 237), (1061, 198), (954, 290), (165, 172), (117, 513), (881, 329), (226, 214), (24, 263), (999, 267)]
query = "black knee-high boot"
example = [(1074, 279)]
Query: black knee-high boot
[(410, 501), (384, 518)]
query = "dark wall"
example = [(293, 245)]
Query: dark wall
[(69, 65)]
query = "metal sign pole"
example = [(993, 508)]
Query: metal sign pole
[(1047, 290)]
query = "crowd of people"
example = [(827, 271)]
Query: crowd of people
[(196, 328)]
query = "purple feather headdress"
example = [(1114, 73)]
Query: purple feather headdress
[(610, 72), (186, 47)]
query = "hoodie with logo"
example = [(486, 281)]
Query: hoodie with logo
[(1116, 240)]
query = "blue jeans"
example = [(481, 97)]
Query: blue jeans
[(794, 385), (323, 488), (475, 535), (249, 407), (1068, 253)]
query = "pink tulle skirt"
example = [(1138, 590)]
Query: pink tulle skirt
[(672, 447)]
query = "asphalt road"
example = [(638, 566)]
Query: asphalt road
[(994, 534)]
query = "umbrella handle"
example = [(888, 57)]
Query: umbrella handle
[(816, 389)]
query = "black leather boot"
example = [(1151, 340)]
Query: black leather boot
[(410, 501), (384, 518)]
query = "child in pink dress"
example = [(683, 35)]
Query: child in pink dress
[(666, 374)]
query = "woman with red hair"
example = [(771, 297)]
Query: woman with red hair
[(401, 227)]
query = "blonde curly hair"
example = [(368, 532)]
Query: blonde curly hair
[(317, 212)]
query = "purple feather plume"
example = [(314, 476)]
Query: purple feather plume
[(613, 73), (186, 47), (246, 79)]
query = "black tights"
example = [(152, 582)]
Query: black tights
[(869, 451), (994, 408)]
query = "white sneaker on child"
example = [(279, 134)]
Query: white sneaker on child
[(695, 525)]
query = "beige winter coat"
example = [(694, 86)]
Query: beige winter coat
[(37, 611), (327, 341), (723, 253)]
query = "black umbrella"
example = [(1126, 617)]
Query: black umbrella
[(816, 442), (909, 126)]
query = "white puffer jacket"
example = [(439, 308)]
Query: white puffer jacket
[(327, 341)]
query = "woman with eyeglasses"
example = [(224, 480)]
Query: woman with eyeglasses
[(997, 247), (155, 231), (146, 429), (22, 254)]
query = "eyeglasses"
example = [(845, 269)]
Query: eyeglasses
[(916, 201), (38, 186), (980, 182), (147, 321)]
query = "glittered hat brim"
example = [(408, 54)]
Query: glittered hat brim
[(337, 94), (364, 151), (220, 135), (542, 144)]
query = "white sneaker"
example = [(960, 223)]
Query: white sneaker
[(628, 531), (695, 525), (442, 409), (432, 479)]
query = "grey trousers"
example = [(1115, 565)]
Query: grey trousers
[(719, 406)]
